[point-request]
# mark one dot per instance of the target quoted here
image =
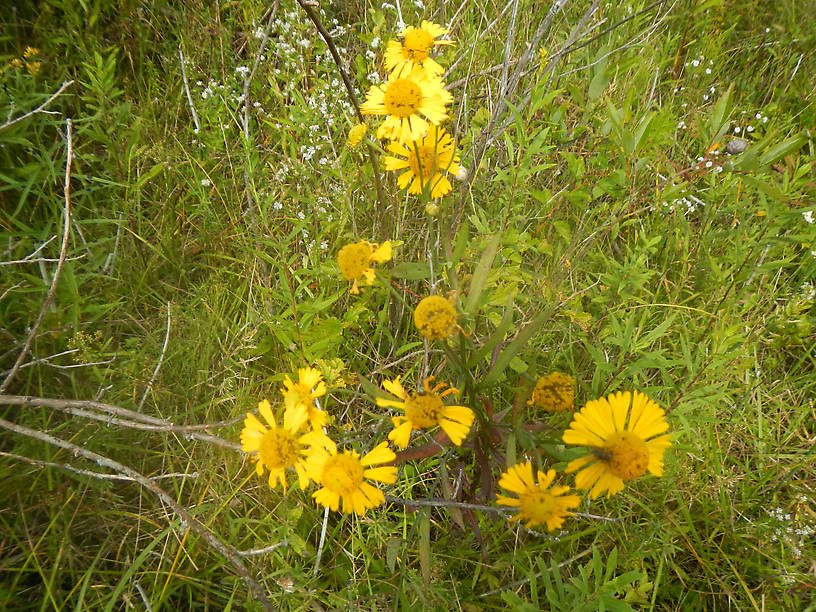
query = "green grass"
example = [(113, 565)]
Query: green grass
[(635, 268)]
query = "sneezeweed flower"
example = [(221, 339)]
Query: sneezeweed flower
[(344, 477), (538, 503), (355, 135), (435, 317), (623, 433), (309, 386), (554, 392), (425, 410), (409, 103), (355, 261), (401, 57), (424, 161), (278, 447)]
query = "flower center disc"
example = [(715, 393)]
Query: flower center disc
[(422, 161), (416, 45), (538, 505), (402, 98), (278, 449), (628, 455), (423, 410), (342, 474), (353, 260)]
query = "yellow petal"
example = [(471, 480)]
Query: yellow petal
[(379, 454)]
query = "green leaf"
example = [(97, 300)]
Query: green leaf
[(392, 548), (718, 124), (482, 270), (504, 358), (424, 546), (782, 149), (411, 270)]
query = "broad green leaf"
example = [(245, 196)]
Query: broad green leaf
[(480, 274)]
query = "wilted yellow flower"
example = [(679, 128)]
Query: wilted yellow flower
[(409, 103), (400, 58), (425, 160), (309, 386), (622, 431), (554, 392), (344, 476), (435, 317), (538, 504), (355, 261), (425, 410), (356, 134), (277, 448)]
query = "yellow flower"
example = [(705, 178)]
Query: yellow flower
[(29, 51), (425, 410), (554, 392), (435, 317), (356, 134), (279, 447), (344, 476), (621, 448), (33, 67), (537, 503), (16, 63), (403, 99), (401, 58), (309, 386), (355, 261), (425, 159)]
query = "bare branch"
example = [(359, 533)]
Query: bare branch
[(225, 550), (40, 108), (187, 91), (90, 473), (63, 252), (159, 363)]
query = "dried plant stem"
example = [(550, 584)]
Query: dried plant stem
[(109, 414), (159, 363), (40, 108), (225, 550), (66, 230), (372, 153), (90, 473), (187, 92)]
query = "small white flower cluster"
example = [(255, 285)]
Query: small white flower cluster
[(703, 163), (788, 532), (808, 216), (750, 128), (808, 292), (211, 89), (683, 204), (243, 71)]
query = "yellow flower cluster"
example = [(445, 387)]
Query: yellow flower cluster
[(300, 443), (30, 61), (414, 101), (625, 434)]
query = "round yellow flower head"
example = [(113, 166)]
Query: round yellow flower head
[(344, 476), (278, 447), (355, 261), (622, 432), (426, 160), (554, 393), (415, 48), (425, 410), (409, 102), (356, 134), (538, 504), (435, 317), (309, 386)]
